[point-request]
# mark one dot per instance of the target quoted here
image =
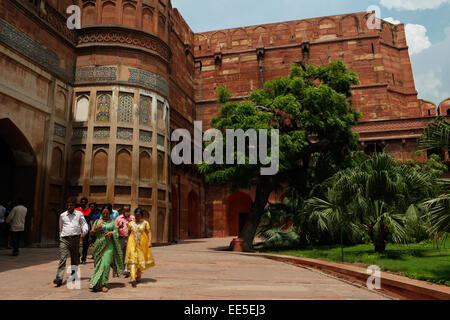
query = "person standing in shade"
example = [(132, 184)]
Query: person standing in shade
[(72, 228), (86, 211), (3, 226), (107, 252), (122, 225), (139, 255), (9, 207), (16, 220)]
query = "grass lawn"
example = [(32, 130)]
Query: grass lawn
[(416, 261)]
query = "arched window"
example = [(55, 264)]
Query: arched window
[(145, 111), (103, 107), (145, 166), (160, 115), (77, 167), (161, 171), (147, 19), (82, 109), (100, 164), (123, 164), (125, 112)]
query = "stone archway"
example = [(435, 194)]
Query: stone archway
[(238, 207), (193, 215), (18, 169)]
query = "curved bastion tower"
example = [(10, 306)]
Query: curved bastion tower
[(120, 150)]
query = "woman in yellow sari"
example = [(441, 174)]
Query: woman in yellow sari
[(139, 256)]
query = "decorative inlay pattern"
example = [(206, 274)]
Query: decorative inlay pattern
[(145, 136), (125, 134), (125, 112), (101, 35), (145, 111), (103, 107), (102, 132), (33, 50), (79, 133), (60, 131), (96, 74), (148, 80)]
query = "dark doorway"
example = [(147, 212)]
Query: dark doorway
[(18, 170), (372, 148)]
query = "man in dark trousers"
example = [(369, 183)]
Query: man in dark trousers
[(16, 220), (72, 228), (86, 211)]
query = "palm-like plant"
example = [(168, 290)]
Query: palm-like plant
[(372, 197), (437, 135)]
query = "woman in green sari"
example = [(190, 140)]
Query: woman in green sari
[(107, 252)]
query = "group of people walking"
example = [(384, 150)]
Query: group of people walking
[(12, 224), (121, 242)]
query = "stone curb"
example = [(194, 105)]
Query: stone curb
[(393, 285)]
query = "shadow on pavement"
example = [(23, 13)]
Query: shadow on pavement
[(28, 257)]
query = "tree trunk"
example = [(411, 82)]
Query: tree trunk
[(379, 240), (254, 218)]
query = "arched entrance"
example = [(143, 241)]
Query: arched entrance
[(193, 215), (238, 208), (18, 169)]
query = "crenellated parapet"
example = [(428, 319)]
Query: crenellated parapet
[(333, 28)]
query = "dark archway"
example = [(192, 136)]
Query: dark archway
[(238, 208), (374, 147), (18, 169), (193, 215)]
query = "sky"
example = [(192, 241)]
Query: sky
[(427, 26)]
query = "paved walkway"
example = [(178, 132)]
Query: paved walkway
[(192, 270)]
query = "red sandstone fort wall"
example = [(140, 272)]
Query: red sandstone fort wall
[(379, 57)]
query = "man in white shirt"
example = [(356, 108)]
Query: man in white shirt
[(16, 220), (72, 228)]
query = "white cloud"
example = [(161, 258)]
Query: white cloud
[(432, 71), (429, 84), (392, 20), (412, 4), (416, 36)]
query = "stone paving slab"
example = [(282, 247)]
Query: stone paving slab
[(192, 270)]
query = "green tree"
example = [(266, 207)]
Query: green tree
[(373, 198), (437, 136), (314, 116)]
